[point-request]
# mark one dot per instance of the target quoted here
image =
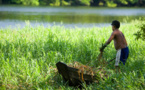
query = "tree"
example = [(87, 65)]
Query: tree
[(64, 2), (80, 2), (110, 3), (85, 2), (107, 3), (6, 1), (95, 2), (0, 1), (26, 2), (54, 2), (140, 34)]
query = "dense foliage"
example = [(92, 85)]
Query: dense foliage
[(140, 34), (108, 3), (28, 56)]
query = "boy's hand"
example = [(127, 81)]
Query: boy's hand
[(103, 47)]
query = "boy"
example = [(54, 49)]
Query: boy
[(119, 43)]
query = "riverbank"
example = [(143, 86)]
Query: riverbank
[(28, 56)]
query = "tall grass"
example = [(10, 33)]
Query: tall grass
[(28, 56)]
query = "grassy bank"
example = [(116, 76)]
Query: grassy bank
[(28, 56)]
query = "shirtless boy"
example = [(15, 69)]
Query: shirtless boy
[(119, 43)]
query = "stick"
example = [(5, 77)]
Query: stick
[(111, 60), (100, 56)]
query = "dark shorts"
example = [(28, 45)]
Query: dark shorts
[(121, 56), (124, 55)]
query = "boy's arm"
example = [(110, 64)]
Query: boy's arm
[(108, 41), (111, 38)]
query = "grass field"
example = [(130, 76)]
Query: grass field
[(28, 57)]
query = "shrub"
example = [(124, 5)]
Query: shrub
[(140, 34)]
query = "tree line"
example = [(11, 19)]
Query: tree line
[(105, 3)]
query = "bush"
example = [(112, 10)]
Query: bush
[(140, 34)]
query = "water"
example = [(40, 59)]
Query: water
[(67, 16)]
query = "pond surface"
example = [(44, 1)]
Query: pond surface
[(68, 16)]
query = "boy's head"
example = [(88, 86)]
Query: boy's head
[(115, 24)]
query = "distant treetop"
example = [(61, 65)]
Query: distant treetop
[(105, 3)]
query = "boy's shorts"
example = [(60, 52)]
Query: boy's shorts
[(121, 56)]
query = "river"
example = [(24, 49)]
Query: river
[(70, 17)]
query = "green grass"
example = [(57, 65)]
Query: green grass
[(28, 57)]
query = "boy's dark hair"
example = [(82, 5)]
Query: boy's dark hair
[(116, 23)]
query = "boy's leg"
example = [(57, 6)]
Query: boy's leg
[(117, 69)]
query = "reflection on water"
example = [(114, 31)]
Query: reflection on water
[(70, 16)]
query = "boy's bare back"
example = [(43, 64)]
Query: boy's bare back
[(119, 39)]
